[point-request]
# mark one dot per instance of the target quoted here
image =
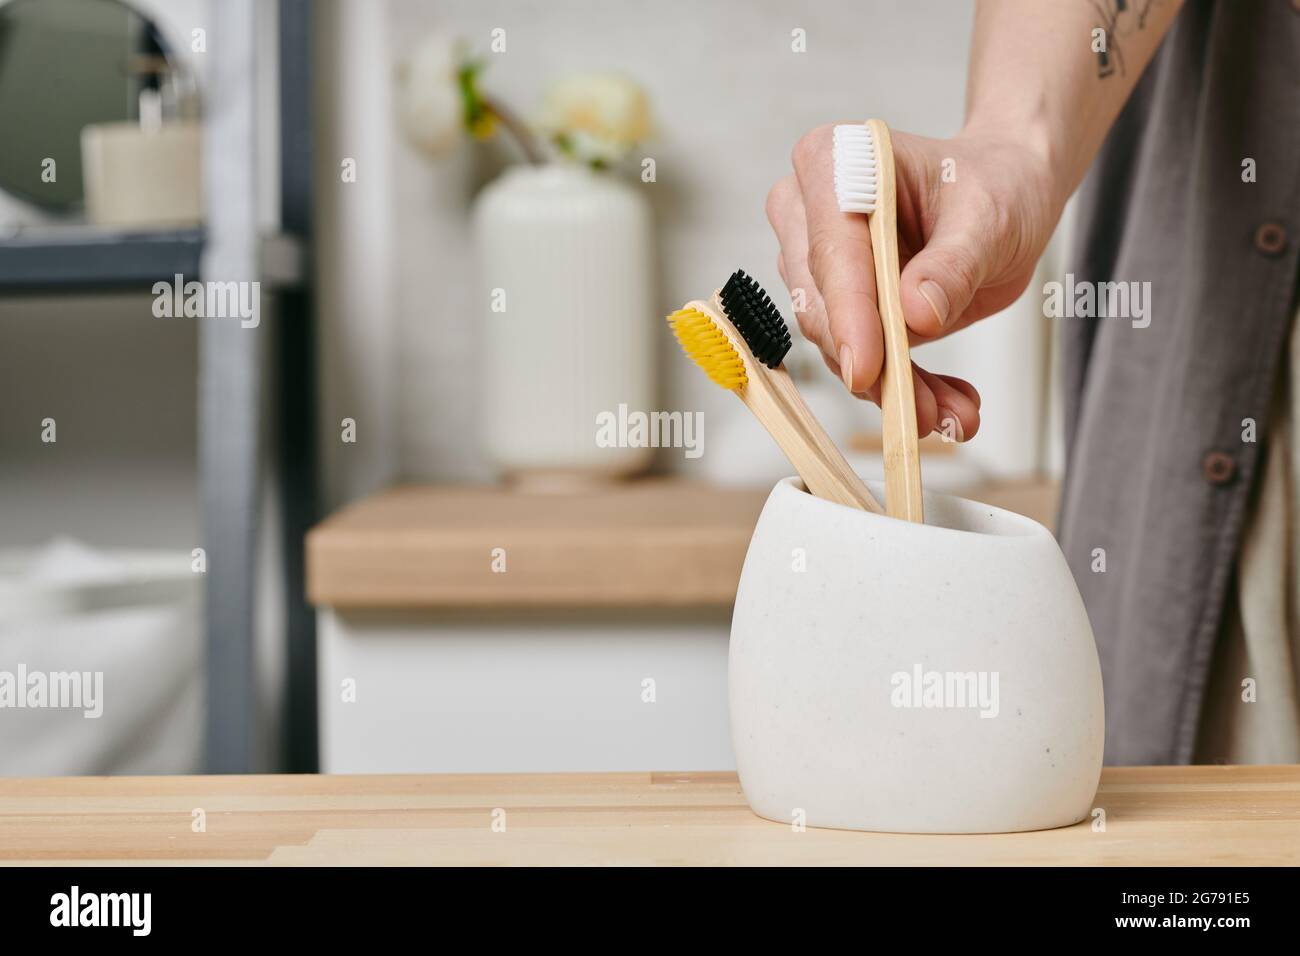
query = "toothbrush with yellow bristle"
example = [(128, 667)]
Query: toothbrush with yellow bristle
[(739, 339)]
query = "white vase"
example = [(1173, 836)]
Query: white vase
[(936, 678), (565, 266)]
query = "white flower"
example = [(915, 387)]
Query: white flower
[(430, 104), (596, 117)]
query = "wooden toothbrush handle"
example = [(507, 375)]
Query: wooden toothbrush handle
[(776, 403), (822, 468), (897, 399), (848, 487)]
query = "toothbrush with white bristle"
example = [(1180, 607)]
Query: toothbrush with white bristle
[(864, 183), (855, 169)]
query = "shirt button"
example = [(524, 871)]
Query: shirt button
[(1218, 467), (1270, 237)]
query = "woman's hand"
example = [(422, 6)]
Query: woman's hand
[(974, 214)]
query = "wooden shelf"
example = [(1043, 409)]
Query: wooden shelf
[(1166, 816), (661, 543), (640, 544)]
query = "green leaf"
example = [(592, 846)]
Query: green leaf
[(474, 108)]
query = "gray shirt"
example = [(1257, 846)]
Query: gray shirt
[(1197, 191)]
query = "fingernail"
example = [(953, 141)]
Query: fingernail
[(846, 366), (950, 425), (938, 299)]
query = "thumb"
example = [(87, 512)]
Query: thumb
[(939, 282)]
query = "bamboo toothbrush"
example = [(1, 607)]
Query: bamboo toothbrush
[(739, 339), (864, 183)]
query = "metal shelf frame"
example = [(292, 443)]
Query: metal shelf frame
[(233, 393), (62, 259)]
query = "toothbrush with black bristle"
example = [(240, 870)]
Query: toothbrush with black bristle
[(756, 318), (739, 338)]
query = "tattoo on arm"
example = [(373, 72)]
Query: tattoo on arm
[(1116, 19)]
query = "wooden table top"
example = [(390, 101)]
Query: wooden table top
[(1154, 815)]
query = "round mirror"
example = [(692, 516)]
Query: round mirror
[(65, 64)]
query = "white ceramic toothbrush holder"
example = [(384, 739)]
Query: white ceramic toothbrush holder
[(936, 678)]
